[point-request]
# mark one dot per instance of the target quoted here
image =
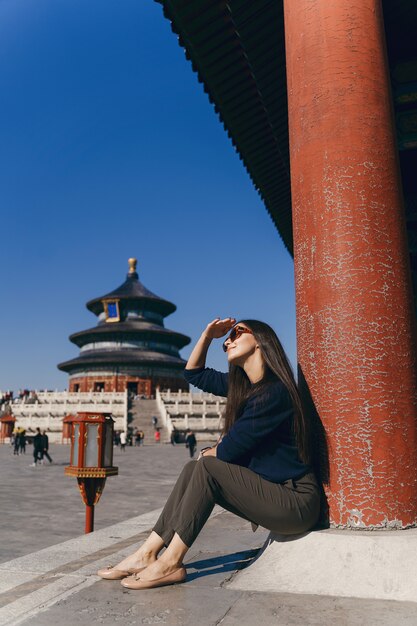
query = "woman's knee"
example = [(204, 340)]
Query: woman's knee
[(189, 467), (209, 464), (186, 473)]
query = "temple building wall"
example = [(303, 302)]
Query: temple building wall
[(124, 382)]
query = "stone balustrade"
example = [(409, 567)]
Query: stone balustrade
[(59, 397), (202, 412), (187, 397), (48, 409)]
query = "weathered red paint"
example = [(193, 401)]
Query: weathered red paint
[(119, 383), (355, 321)]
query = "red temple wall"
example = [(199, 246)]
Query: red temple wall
[(120, 383)]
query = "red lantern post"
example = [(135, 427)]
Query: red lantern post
[(7, 423), (91, 458)]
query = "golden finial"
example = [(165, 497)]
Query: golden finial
[(132, 265)]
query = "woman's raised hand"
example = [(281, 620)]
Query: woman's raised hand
[(218, 328)]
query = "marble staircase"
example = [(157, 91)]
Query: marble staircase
[(141, 412)]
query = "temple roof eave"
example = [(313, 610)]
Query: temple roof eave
[(130, 329), (237, 50), (158, 305), (133, 291), (238, 54), (128, 357)]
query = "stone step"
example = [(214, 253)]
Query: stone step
[(141, 411)]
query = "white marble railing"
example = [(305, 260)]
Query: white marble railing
[(50, 409), (66, 397), (192, 407), (187, 397), (205, 422), (203, 412), (68, 408), (162, 410)]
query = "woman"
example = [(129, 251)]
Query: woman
[(259, 469)]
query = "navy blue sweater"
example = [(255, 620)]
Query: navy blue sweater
[(261, 438)]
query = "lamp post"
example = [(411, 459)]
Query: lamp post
[(91, 459), (7, 423)]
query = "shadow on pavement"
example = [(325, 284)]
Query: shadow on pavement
[(221, 564)]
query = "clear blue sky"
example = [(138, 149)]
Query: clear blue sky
[(110, 149)]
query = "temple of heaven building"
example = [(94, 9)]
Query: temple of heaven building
[(129, 349)]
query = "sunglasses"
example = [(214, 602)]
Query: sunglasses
[(235, 333)]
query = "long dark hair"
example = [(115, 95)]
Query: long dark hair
[(278, 367)]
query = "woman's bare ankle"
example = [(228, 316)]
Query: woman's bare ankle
[(136, 560), (146, 556), (170, 561)]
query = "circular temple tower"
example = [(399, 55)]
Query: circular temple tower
[(129, 349)]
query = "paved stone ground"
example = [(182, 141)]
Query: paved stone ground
[(71, 595), (40, 506)]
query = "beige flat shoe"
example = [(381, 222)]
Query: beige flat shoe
[(174, 578), (110, 573)]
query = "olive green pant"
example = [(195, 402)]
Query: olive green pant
[(287, 508)]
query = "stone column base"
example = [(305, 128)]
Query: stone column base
[(361, 564)]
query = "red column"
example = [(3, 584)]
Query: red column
[(355, 321)]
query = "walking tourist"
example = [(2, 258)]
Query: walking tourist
[(37, 447), (260, 468), (45, 442), (22, 441), (173, 437), (190, 442), (123, 441), (157, 436), (15, 441), (154, 421)]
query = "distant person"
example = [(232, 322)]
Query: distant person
[(123, 441), (260, 469), (22, 441), (157, 436), (174, 433), (190, 442), (37, 448), (154, 421), (137, 438), (45, 442), (142, 437), (15, 442)]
